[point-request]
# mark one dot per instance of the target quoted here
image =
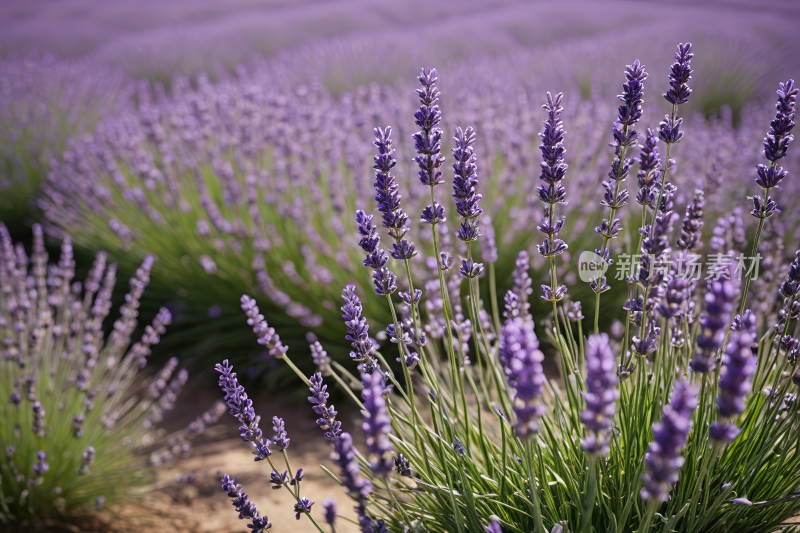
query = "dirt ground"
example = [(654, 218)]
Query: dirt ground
[(202, 506)]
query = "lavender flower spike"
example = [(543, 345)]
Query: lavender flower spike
[(357, 485), (327, 415), (663, 459), (357, 329), (377, 424), (239, 404), (385, 281), (428, 141), (776, 144), (739, 365), (554, 170), (465, 183), (281, 440), (522, 359), (719, 305), (625, 137), (266, 335), (600, 395), (243, 505), (388, 199)]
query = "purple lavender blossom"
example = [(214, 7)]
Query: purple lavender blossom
[(738, 367), (281, 439), (679, 75), (664, 459), (302, 507), (388, 198), (428, 141), (377, 424), (357, 485), (384, 280), (692, 226), (554, 170), (625, 137), (40, 466), (357, 328), (266, 335), (329, 506), (327, 415), (465, 184), (243, 505), (779, 136), (88, 459), (776, 145), (522, 360), (239, 405), (719, 300), (647, 177), (600, 394)]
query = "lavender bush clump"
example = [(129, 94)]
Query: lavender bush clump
[(618, 443), (78, 421)]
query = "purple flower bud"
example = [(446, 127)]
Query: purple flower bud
[(692, 226), (302, 507), (244, 506), (401, 465), (664, 459), (470, 269)]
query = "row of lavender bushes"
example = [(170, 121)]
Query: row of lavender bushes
[(244, 184), (482, 439), (687, 423)]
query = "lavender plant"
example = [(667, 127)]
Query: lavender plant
[(78, 419), (693, 434)]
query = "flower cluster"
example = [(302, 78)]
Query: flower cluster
[(243, 505), (522, 359), (738, 367), (465, 184), (625, 137), (376, 424), (552, 192), (719, 300), (327, 414), (357, 330), (600, 395), (384, 280), (776, 145), (388, 197)]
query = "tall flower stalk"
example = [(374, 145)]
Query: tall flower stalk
[(625, 137), (776, 144)]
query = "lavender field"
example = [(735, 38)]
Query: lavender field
[(291, 188)]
